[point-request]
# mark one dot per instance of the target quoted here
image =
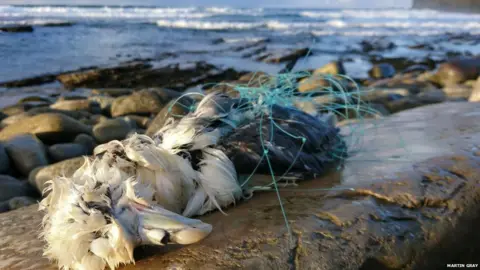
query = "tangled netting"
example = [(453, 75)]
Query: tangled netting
[(332, 95)]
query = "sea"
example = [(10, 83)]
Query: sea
[(108, 35)]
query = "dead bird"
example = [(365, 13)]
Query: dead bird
[(144, 191)]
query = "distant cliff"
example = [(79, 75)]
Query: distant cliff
[(449, 5)]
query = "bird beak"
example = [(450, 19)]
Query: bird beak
[(160, 226)]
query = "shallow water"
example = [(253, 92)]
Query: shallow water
[(108, 35)]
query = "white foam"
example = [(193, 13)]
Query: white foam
[(243, 40), (206, 25), (100, 12)]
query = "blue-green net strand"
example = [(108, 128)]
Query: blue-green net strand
[(339, 95)]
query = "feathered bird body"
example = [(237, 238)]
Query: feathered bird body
[(144, 190)]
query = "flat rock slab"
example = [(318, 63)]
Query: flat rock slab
[(407, 199)]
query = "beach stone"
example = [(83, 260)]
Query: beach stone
[(77, 105), (382, 71), (38, 177), (112, 92), (26, 152), (15, 109), (4, 160), (457, 71), (457, 91), (36, 98), (475, 96), (172, 108), (140, 121), (332, 68), (312, 83), (414, 206), (16, 29), (113, 129), (63, 151), (50, 128), (316, 81), (11, 188), (41, 110), (73, 114), (143, 102), (383, 95), (94, 119), (415, 84), (87, 141), (105, 103)]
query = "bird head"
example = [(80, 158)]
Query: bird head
[(91, 223)]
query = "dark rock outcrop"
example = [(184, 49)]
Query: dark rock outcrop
[(16, 29)]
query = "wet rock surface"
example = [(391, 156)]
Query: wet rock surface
[(407, 198)]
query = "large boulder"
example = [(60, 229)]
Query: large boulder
[(48, 127), (11, 188), (26, 152), (408, 199), (457, 71), (63, 151), (113, 129), (41, 175), (4, 160), (143, 102)]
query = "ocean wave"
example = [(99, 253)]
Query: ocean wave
[(404, 14), (377, 33), (100, 12), (244, 40), (206, 25)]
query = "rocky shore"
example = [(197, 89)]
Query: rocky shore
[(46, 135)]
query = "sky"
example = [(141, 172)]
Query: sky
[(234, 3)]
